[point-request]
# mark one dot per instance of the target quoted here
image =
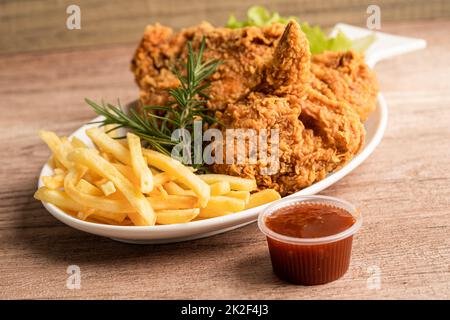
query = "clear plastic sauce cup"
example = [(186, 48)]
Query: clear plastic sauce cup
[(310, 260)]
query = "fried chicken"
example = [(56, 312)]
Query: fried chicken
[(244, 52), (341, 76), (344, 76), (316, 134), (316, 103)]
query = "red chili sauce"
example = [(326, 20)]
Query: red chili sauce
[(304, 263)]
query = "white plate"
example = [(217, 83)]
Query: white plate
[(375, 127)]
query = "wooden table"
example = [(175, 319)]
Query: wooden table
[(403, 190)]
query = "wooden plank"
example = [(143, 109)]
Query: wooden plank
[(402, 190), (30, 25)]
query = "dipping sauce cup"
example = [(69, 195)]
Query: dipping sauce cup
[(310, 237)]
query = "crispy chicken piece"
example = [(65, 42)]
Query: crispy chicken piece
[(267, 83), (244, 52), (344, 76), (341, 76), (316, 134)]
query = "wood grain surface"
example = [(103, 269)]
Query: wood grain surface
[(403, 190), (34, 25)]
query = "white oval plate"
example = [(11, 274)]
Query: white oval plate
[(384, 47), (375, 127)]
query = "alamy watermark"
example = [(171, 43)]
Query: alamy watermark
[(374, 280), (374, 19), (73, 21), (233, 146), (74, 279)]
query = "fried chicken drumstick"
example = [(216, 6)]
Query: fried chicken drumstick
[(270, 81)]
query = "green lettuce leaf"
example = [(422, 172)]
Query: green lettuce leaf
[(319, 41)]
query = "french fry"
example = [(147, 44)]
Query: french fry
[(127, 172), (144, 214), (173, 202), (109, 130), (126, 222), (109, 145), (99, 189), (58, 164), (98, 182), (83, 215), (139, 163), (159, 191), (176, 169), (98, 219), (220, 188), (77, 143), (161, 178), (59, 171), (236, 183), (262, 197), (243, 195), (88, 188), (174, 189), (107, 156), (60, 150), (212, 213), (176, 216), (116, 217), (225, 204), (58, 198), (90, 201), (53, 182), (108, 188)]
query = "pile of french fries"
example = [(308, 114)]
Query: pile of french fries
[(122, 183)]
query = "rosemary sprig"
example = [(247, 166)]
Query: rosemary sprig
[(187, 103)]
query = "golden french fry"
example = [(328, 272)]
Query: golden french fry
[(109, 145), (60, 149), (117, 217), (77, 143), (161, 178), (236, 183), (90, 201), (108, 129), (58, 164), (107, 156), (127, 172), (53, 182), (83, 215), (172, 202), (158, 177), (176, 216), (159, 191), (88, 188), (212, 213), (59, 171), (98, 219), (100, 181), (108, 188), (262, 197), (144, 214), (51, 162), (220, 188), (173, 189), (176, 169), (139, 164), (58, 198), (243, 195), (126, 222), (225, 204)]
